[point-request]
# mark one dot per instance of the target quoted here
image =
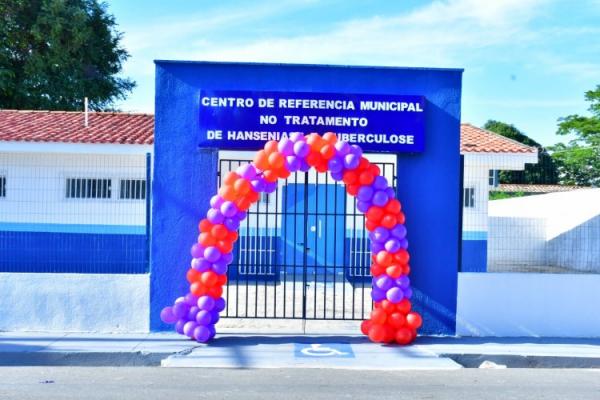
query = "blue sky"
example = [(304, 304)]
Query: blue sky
[(527, 62)]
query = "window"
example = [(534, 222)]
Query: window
[(469, 197), (88, 188), (2, 186), (494, 177), (132, 189)]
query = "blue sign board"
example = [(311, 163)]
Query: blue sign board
[(245, 120)]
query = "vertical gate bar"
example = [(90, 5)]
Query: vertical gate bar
[(335, 263), (316, 252), (277, 272), (295, 263), (326, 216), (257, 259), (304, 255), (148, 208), (266, 263)]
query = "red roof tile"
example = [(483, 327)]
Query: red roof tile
[(64, 126), (126, 128), (477, 140)]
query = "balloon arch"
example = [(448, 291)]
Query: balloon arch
[(392, 320)]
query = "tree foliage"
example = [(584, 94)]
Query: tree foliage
[(53, 53), (579, 160), (544, 172)]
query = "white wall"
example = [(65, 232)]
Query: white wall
[(36, 188), (74, 302), (556, 229), (516, 304)]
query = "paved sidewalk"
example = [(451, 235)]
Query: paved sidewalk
[(290, 351)]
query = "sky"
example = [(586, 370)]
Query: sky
[(526, 62)]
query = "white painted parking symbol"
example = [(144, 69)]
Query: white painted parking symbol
[(324, 350)]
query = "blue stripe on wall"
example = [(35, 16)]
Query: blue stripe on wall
[(474, 235), (474, 256), (73, 228), (73, 252)]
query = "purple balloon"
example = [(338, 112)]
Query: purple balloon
[(384, 282), (247, 171), (203, 317), (380, 198), (212, 330), (212, 254), (394, 295), (296, 136), (192, 313), (216, 201), (390, 192), (258, 185), (220, 304), (215, 216), (363, 206), (376, 247), (356, 150), (190, 299), (304, 167), (200, 264), (227, 258), (214, 317), (336, 164), (342, 148), (179, 326), (270, 187), (380, 182), (286, 147), (201, 334), (380, 234), (292, 163), (241, 215), (197, 250), (408, 293), (206, 303), (180, 310), (404, 243), (365, 193), (337, 176), (392, 245), (301, 149), (231, 224), (180, 299), (167, 316), (351, 161), (228, 209), (377, 294), (399, 231), (403, 281), (220, 267)]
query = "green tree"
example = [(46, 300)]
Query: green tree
[(579, 160), (544, 172), (53, 53)]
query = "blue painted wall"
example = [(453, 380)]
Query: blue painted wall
[(428, 183), (60, 248), (474, 252)]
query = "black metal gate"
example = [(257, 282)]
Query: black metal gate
[(302, 252)]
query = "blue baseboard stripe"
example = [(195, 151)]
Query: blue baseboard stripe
[(72, 228)]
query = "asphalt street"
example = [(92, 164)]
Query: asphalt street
[(149, 383)]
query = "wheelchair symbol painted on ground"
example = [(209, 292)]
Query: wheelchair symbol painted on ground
[(317, 350)]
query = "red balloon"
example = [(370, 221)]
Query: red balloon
[(414, 320), (219, 232), (230, 178), (192, 275), (374, 214), (393, 206), (198, 289), (352, 189), (221, 280), (390, 334), (388, 306), (242, 186), (270, 175), (206, 239), (350, 177), (313, 158), (396, 320), (371, 225), (402, 256), (232, 236), (377, 333), (261, 160), (271, 146), (205, 225), (330, 137), (209, 278), (394, 271), (388, 221), (401, 218), (405, 269), (224, 246), (377, 269), (327, 151), (215, 292), (404, 306), (366, 178), (378, 316), (374, 169), (384, 258), (276, 160), (403, 336), (365, 326)]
